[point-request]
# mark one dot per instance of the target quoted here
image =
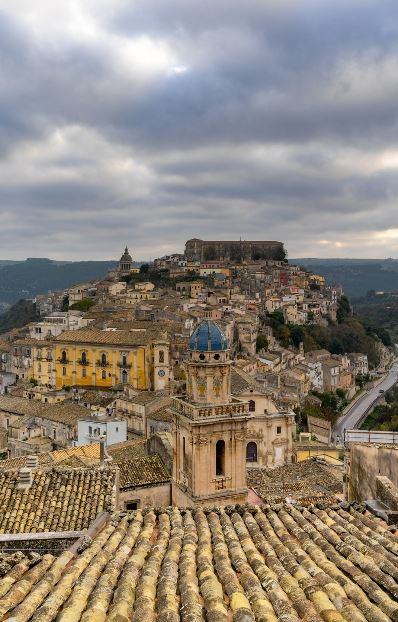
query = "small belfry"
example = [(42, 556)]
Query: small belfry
[(210, 426)]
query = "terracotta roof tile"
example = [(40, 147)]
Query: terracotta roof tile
[(64, 412), (59, 499), (144, 471), (278, 564)]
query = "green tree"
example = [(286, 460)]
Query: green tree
[(261, 343), (83, 305)]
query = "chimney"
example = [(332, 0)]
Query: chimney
[(103, 453), (25, 478), (32, 462)]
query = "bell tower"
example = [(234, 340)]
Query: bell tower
[(209, 426)]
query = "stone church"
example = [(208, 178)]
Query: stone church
[(215, 433)]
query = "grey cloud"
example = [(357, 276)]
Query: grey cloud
[(296, 82)]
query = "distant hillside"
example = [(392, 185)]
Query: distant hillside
[(20, 314), (29, 278), (357, 276)]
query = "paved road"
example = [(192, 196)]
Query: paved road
[(355, 415)]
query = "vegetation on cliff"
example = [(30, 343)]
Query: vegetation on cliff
[(349, 334)]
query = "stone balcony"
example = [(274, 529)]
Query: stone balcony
[(235, 408)]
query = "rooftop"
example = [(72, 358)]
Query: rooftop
[(142, 471), (63, 412), (278, 564), (108, 337), (59, 499)]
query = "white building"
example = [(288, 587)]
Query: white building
[(91, 428), (55, 324)]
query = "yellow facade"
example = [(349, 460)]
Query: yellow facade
[(43, 364), (102, 366)]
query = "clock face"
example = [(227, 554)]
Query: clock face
[(161, 373)]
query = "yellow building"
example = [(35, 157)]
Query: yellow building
[(105, 358), (43, 363)]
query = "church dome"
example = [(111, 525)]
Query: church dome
[(208, 337), (126, 257)]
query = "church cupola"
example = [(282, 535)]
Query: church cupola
[(125, 262), (208, 367)]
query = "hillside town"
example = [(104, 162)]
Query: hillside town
[(139, 402)]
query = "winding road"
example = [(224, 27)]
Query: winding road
[(353, 418)]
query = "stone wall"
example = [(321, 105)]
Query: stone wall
[(387, 492), (367, 462)]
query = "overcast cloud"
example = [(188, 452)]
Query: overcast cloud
[(147, 123)]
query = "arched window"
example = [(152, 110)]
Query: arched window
[(84, 358), (124, 377), (103, 359), (252, 406), (63, 356), (103, 374), (220, 458), (251, 452), (161, 356), (124, 360)]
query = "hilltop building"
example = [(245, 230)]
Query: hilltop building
[(236, 251), (125, 263)]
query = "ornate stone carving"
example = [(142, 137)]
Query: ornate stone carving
[(201, 440)]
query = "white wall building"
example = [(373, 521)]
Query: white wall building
[(91, 428)]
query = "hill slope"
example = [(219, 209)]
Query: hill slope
[(37, 276), (357, 276)]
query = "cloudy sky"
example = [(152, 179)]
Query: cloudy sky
[(149, 122)]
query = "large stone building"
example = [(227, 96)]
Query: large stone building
[(209, 426), (224, 423), (233, 251), (104, 358)]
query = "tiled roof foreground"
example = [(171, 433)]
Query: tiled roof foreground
[(277, 564), (59, 499)]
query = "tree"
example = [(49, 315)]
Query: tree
[(261, 343), (343, 309), (297, 334), (144, 269), (83, 305)]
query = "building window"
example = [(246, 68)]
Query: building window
[(84, 358), (90, 430), (84, 372), (161, 356), (54, 434), (124, 360), (124, 377), (103, 374), (117, 429), (39, 367), (220, 458), (279, 429), (131, 505), (63, 356), (49, 369), (251, 452), (64, 371), (252, 406), (103, 359)]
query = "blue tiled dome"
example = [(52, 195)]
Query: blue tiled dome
[(208, 337)]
